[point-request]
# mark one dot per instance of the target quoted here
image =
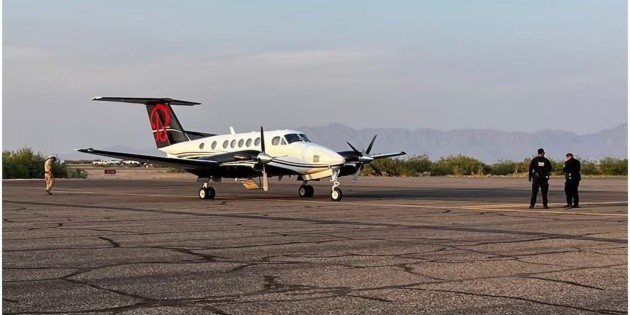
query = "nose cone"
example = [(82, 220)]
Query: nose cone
[(335, 158), (323, 155)]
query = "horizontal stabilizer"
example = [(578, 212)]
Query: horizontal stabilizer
[(144, 100)]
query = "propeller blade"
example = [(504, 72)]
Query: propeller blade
[(355, 177), (371, 144), (378, 172), (265, 179), (262, 140), (354, 149)]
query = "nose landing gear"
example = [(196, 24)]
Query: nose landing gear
[(336, 192)]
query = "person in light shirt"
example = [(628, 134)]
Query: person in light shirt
[(48, 173)]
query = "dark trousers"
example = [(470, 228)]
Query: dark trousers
[(571, 190), (544, 188)]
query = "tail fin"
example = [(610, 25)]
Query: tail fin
[(166, 127)]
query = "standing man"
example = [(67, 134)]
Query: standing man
[(539, 171), (48, 173), (573, 176)]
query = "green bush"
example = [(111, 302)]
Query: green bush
[(589, 167), (23, 163), (459, 165), (613, 166), (416, 166), (504, 167)]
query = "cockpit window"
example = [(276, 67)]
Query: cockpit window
[(304, 137), (295, 137)]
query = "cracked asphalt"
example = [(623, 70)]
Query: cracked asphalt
[(391, 246)]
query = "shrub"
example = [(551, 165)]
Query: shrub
[(23, 163), (613, 166), (459, 165), (505, 167)]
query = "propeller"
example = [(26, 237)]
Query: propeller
[(364, 158), (264, 158)]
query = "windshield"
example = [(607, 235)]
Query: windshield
[(294, 137), (304, 137)]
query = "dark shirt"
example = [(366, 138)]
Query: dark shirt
[(539, 168), (571, 170)]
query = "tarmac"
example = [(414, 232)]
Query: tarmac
[(429, 245)]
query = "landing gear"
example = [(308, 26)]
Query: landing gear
[(206, 192), (306, 191), (336, 192)]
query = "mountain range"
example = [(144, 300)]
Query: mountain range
[(488, 146)]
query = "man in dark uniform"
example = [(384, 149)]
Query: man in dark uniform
[(572, 175), (539, 171)]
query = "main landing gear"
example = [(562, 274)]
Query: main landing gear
[(206, 192), (306, 190)]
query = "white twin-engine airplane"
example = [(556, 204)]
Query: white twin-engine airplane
[(242, 156)]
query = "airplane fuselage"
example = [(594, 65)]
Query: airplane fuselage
[(291, 150)]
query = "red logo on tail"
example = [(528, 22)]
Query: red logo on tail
[(158, 125)]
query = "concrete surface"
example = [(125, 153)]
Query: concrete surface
[(391, 246)]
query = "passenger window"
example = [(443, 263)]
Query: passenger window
[(257, 142), (248, 143), (275, 140), (214, 145), (225, 144), (233, 143), (201, 146), (240, 143)]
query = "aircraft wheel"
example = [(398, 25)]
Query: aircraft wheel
[(303, 191), (310, 191), (336, 194), (203, 193), (211, 193), (206, 193)]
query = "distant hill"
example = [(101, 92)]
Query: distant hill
[(488, 146)]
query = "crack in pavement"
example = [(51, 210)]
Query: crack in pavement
[(340, 222)]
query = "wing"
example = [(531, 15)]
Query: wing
[(386, 155), (352, 156), (166, 161)]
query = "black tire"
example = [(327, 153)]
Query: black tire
[(211, 193), (310, 191), (336, 195), (303, 191)]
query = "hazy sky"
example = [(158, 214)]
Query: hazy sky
[(509, 65)]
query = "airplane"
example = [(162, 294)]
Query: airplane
[(242, 156)]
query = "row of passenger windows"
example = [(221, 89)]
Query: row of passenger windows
[(248, 143)]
